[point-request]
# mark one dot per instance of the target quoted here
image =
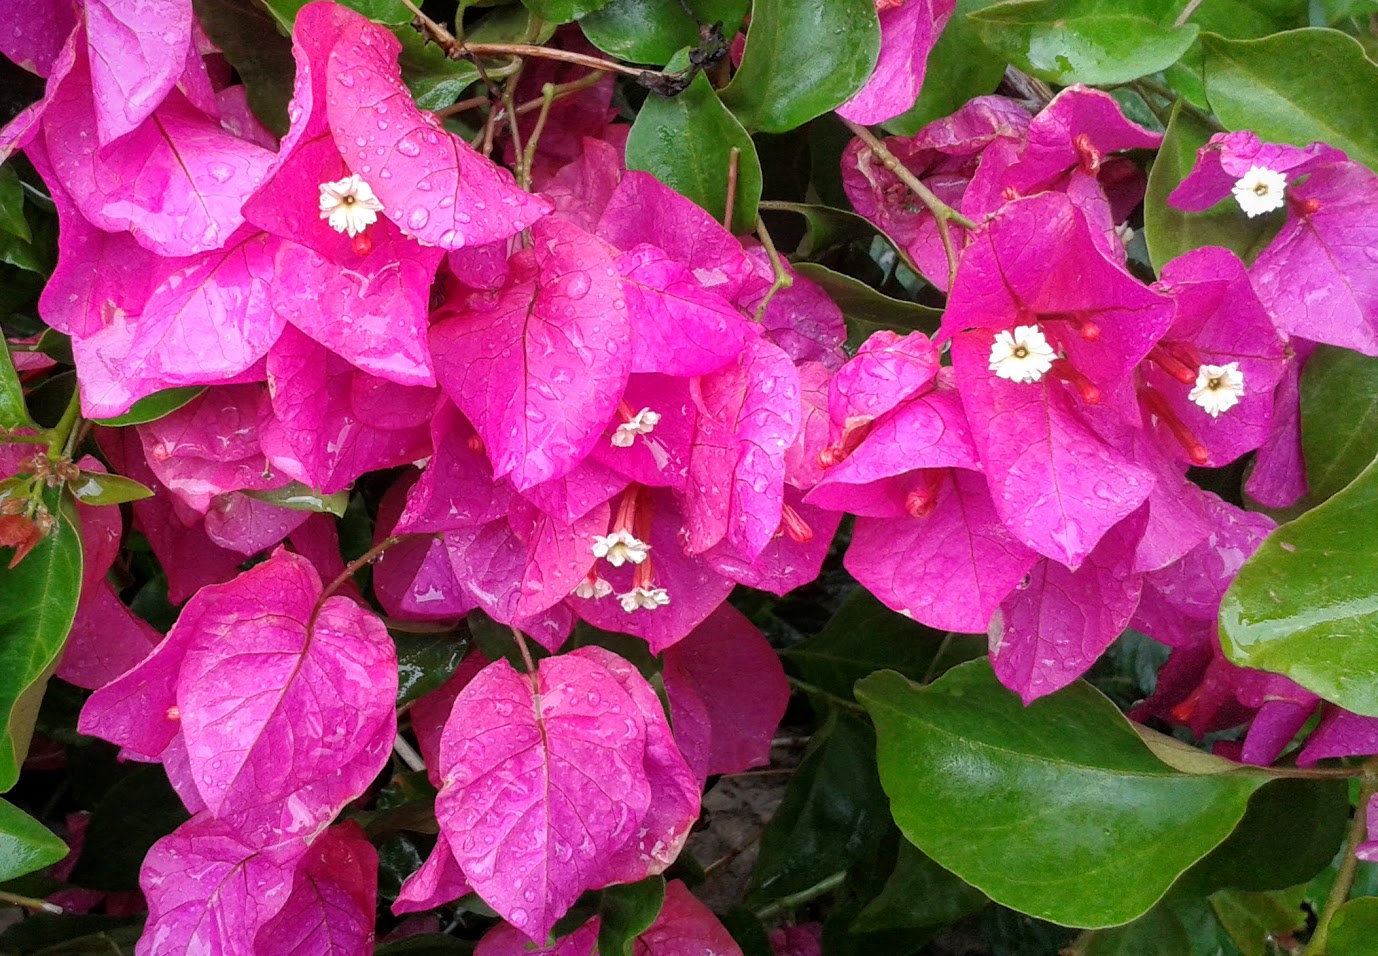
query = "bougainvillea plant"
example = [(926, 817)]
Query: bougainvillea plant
[(689, 477)]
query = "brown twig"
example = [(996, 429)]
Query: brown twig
[(368, 557), (734, 163), (783, 280), (526, 651)]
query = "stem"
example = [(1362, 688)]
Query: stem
[(473, 102), (931, 673), (63, 431), (815, 691), (526, 651), (547, 98), (783, 280), (732, 854), (29, 903), (1158, 89), (561, 90), (8, 439), (1344, 879), (1186, 13), (509, 107), (407, 753), (795, 900), (1153, 106), (368, 557), (734, 162)]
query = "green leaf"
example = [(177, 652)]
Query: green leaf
[(801, 60), (1254, 921), (1169, 231), (380, 11), (425, 661), (40, 602), (1057, 810), (1339, 418), (652, 31), (435, 80), (563, 11), (1238, 20), (1353, 928), (295, 496), (959, 69), (868, 311), (826, 227), (12, 219), (866, 636), (99, 488), (1296, 87), (1097, 42), (20, 254), (1157, 933), (252, 43), (627, 911), (1306, 604), (25, 844), (832, 815), (918, 895), (139, 810), (150, 408), (1291, 831), (13, 412), (685, 142)]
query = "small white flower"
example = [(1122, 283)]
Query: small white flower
[(1260, 190), (646, 598), (350, 205), (1218, 388), (1021, 356), (595, 589), (619, 548), (642, 423)]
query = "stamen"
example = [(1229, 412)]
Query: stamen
[(1161, 410), (1088, 156), (793, 524), (1069, 373), (922, 500), (1171, 364), (854, 432)]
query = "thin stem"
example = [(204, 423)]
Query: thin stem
[(9, 439), (561, 90), (407, 753), (1186, 13), (368, 557), (814, 690), (795, 900), (783, 280), (29, 903), (732, 854), (62, 432), (1158, 89), (932, 671), (547, 98), (734, 163), (1153, 105), (526, 651), (509, 107), (1344, 879), (472, 103)]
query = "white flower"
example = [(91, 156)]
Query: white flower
[(350, 205), (1218, 388), (619, 548), (647, 598), (593, 588), (642, 423), (1021, 356), (1260, 190)]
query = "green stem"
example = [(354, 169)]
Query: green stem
[(1158, 89), (547, 98), (29, 903), (795, 900), (814, 690), (368, 557), (1344, 879), (783, 280), (60, 435)]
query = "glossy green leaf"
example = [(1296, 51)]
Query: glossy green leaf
[(40, 602), (627, 911), (1254, 921), (1296, 87), (801, 60), (919, 894), (1339, 418), (1354, 928), (12, 219), (25, 844), (99, 488), (150, 408), (13, 412), (1237, 20), (1157, 933), (295, 496), (136, 812), (249, 37), (435, 80), (1306, 604), (21, 254), (1291, 831), (832, 815), (868, 311), (425, 661), (1057, 810), (865, 636), (1085, 41), (563, 11), (652, 31), (685, 141), (1169, 231), (960, 68)]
